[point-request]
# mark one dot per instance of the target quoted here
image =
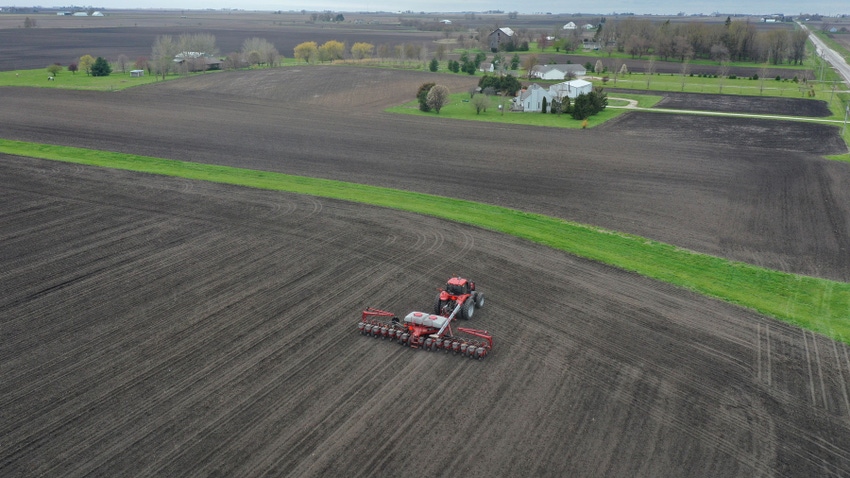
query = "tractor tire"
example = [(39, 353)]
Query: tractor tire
[(479, 300), (438, 305), (468, 309)]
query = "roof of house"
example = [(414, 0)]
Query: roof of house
[(563, 68), (569, 26), (527, 91), (507, 31)]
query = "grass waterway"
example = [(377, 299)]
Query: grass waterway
[(816, 304)]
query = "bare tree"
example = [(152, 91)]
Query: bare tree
[(650, 70), (163, 53), (764, 72), (599, 67), (440, 52), (266, 51), (684, 70), (529, 62), (438, 96), (722, 74), (122, 62)]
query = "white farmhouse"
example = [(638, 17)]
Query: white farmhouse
[(570, 26), (531, 99)]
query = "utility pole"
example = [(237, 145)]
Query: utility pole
[(846, 112)]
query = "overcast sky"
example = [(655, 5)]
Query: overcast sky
[(787, 7)]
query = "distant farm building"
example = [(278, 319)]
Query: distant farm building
[(80, 14), (197, 61), (569, 26), (97, 14), (137, 73), (557, 72), (500, 36)]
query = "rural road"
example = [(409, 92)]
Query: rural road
[(830, 55)]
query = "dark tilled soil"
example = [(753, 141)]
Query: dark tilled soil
[(747, 189), (160, 326), (755, 105), (737, 104)]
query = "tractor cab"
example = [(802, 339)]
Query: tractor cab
[(459, 286)]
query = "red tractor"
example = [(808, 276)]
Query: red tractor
[(434, 332), (458, 292)]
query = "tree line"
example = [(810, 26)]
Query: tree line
[(728, 41)]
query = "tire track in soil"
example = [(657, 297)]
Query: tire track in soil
[(174, 359)]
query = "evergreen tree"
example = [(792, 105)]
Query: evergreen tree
[(101, 67)]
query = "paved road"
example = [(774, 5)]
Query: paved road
[(830, 55)]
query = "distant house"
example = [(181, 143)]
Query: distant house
[(570, 26), (531, 99), (588, 26), (97, 14), (557, 72), (137, 73), (499, 37), (198, 61), (446, 22)]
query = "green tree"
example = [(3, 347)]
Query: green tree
[(422, 96), (361, 50), (54, 69), (545, 108), (515, 61), (434, 65), (454, 66), (480, 103), (331, 50), (86, 62), (438, 96), (307, 51), (582, 107), (101, 67)]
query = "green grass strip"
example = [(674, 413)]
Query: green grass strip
[(816, 304)]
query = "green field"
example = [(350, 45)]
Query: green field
[(816, 304)]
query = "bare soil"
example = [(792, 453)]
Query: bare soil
[(159, 326), (738, 104)]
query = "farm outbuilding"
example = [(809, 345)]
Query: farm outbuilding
[(137, 73), (557, 72), (499, 36)]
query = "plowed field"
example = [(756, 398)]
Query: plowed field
[(158, 326)]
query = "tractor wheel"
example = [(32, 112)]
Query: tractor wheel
[(438, 305), (468, 309), (479, 300)]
